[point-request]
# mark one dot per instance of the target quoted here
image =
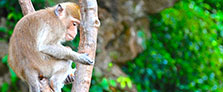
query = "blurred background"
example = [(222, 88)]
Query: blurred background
[(143, 46)]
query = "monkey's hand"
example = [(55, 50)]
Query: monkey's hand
[(85, 59)]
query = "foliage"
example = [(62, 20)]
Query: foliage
[(4, 87), (185, 52), (124, 81), (102, 84), (12, 15), (12, 12)]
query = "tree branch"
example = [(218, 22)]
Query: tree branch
[(27, 6), (88, 40)]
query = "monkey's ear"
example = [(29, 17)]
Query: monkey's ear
[(58, 11)]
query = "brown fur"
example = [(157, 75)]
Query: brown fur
[(75, 10), (23, 42)]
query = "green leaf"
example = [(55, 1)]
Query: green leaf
[(112, 83), (129, 82), (110, 64), (5, 87), (214, 43), (96, 88), (122, 84), (66, 89), (4, 59), (3, 29), (13, 76), (104, 84), (119, 79)]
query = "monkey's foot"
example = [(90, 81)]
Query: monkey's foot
[(69, 79)]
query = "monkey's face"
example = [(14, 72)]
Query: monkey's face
[(69, 15), (72, 27)]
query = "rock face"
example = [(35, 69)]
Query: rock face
[(120, 22), (155, 6), (118, 39)]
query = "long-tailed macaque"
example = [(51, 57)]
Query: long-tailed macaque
[(35, 46)]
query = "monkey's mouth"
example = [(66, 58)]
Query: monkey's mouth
[(70, 37)]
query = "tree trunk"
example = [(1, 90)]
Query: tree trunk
[(88, 40)]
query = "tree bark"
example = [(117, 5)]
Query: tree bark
[(88, 40)]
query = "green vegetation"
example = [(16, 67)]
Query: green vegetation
[(185, 52)]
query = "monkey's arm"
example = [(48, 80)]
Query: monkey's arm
[(61, 52)]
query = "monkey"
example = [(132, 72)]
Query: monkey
[(35, 47)]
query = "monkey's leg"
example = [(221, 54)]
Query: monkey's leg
[(33, 81), (57, 80)]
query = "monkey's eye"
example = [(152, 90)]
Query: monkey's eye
[(75, 24)]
